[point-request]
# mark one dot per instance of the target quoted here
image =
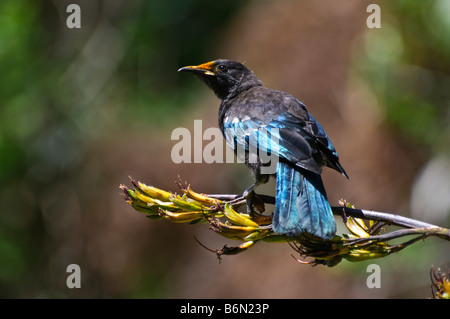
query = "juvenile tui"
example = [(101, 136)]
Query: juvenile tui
[(302, 148)]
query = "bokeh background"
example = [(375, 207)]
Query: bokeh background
[(82, 109)]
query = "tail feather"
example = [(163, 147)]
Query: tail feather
[(301, 204)]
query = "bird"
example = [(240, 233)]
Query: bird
[(302, 146)]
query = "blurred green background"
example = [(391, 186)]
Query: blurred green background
[(82, 109)]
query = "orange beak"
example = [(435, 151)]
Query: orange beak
[(205, 68)]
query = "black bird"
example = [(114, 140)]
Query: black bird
[(299, 141)]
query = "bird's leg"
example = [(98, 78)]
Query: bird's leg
[(249, 193)]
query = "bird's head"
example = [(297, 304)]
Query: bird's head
[(225, 77)]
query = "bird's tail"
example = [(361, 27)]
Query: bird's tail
[(301, 204)]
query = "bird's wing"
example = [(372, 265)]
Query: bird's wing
[(315, 135), (279, 137)]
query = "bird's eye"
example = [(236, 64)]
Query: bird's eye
[(222, 68)]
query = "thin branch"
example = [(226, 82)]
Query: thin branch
[(218, 210), (391, 219), (422, 232)]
